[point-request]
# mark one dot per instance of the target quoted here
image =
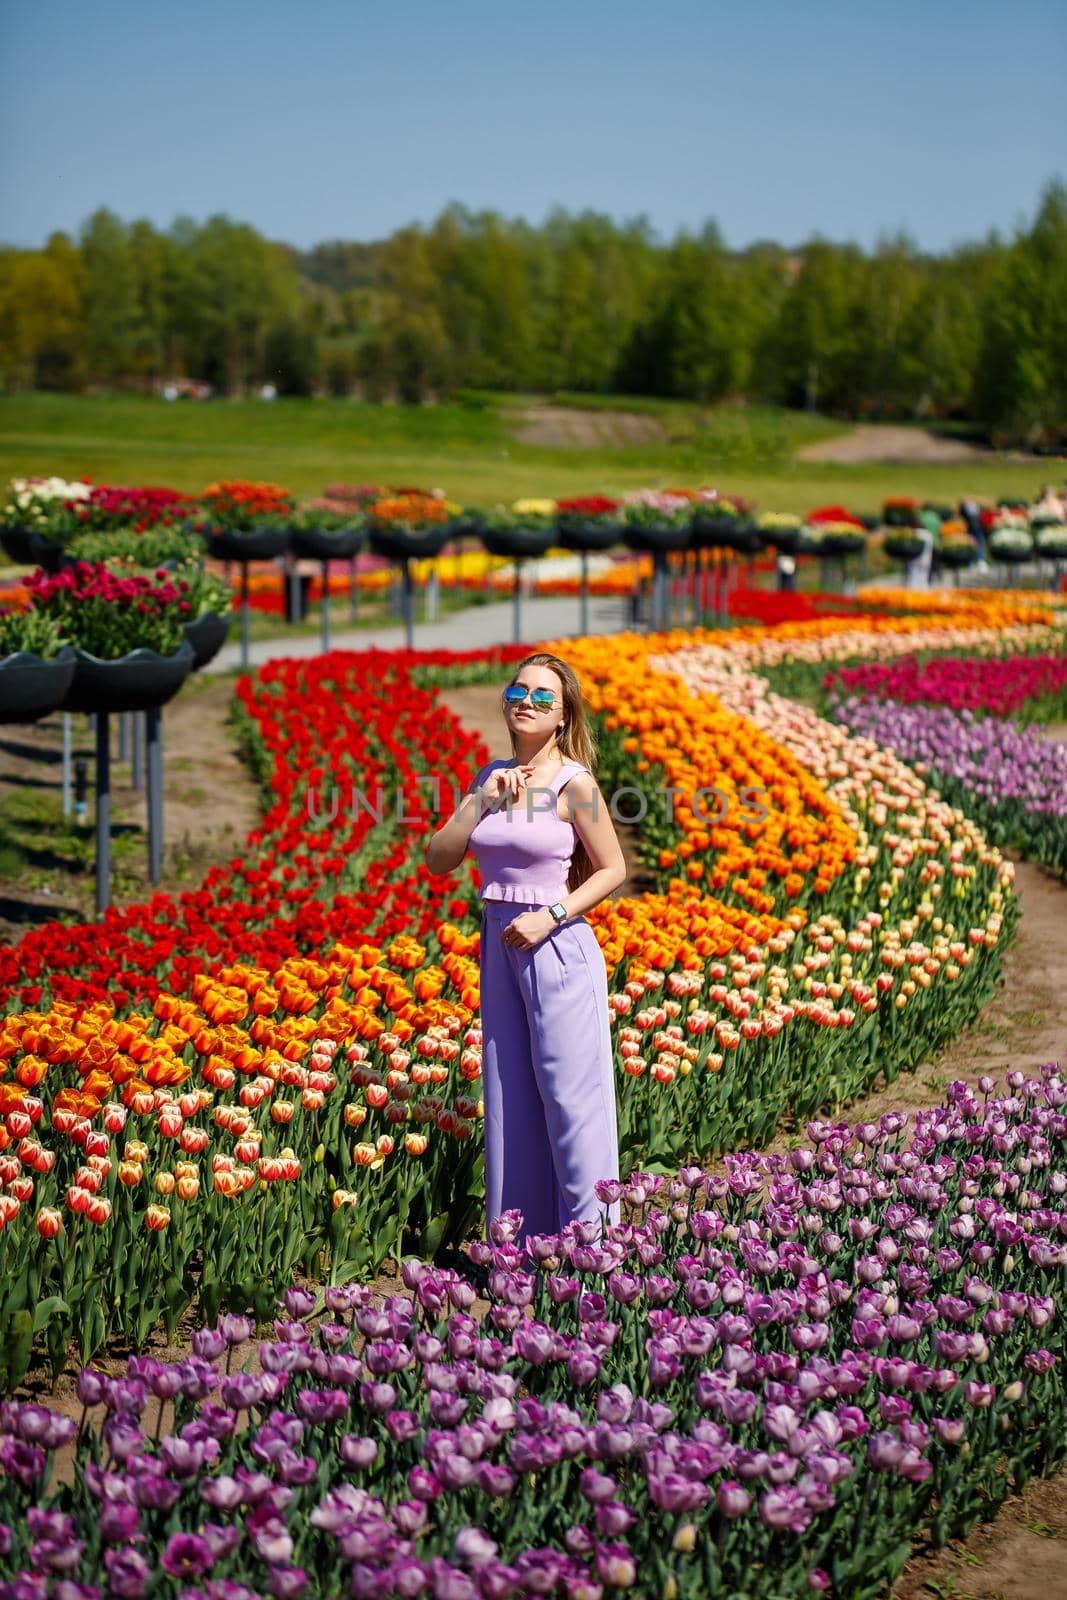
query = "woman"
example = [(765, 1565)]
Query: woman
[(547, 852)]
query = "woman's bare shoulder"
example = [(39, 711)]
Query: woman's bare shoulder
[(584, 786)]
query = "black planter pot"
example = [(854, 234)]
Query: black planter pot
[(518, 542), (712, 532), (846, 545), (901, 548), (1013, 558), (954, 557), (30, 549), (787, 540), (317, 544), (468, 526), (658, 536), (31, 686), (258, 544), (137, 681), (746, 539), (589, 535), (400, 544), (900, 516), (207, 636)]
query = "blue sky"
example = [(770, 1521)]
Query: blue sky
[(323, 119)]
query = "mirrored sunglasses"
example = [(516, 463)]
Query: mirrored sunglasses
[(540, 699)]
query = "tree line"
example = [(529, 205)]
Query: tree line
[(476, 301)]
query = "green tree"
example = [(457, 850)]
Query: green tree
[(408, 351), (114, 320), (815, 327), (234, 287), (1021, 386), (42, 321)]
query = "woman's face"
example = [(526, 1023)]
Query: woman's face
[(527, 718)]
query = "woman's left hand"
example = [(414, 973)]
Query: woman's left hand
[(528, 929)]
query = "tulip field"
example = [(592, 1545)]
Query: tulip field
[(809, 1339)]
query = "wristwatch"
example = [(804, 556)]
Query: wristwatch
[(559, 912)]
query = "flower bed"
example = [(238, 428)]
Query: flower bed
[(290, 1056), (766, 1383), (1012, 780), (1033, 687)]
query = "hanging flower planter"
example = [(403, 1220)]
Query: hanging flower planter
[(1011, 545), (956, 554), (746, 539), (207, 636), (574, 533), (137, 681), (841, 544), (518, 542), (653, 536), (903, 545), (253, 544), (780, 531), (712, 530), (327, 544), (28, 548), (31, 686), (408, 544), (1051, 541)]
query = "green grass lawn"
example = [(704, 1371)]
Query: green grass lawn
[(468, 451)]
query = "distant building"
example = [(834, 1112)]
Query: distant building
[(185, 389)]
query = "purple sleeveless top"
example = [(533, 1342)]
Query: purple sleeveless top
[(525, 855)]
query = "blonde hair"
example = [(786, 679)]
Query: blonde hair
[(575, 741)]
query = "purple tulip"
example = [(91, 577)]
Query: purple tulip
[(128, 1574), (208, 1343), (784, 1508), (186, 1556)]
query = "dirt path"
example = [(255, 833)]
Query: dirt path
[(560, 426), (893, 445)]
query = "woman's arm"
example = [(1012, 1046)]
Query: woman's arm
[(588, 810), (448, 845)]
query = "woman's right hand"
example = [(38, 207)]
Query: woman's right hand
[(506, 781)]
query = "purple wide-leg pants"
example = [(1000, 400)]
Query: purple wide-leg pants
[(551, 1129)]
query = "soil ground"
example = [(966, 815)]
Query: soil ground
[(1022, 1554), (892, 445), (584, 430)]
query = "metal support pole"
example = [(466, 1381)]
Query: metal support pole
[(432, 595), (124, 735), (154, 720), (103, 813), (583, 626), (659, 590), (66, 764), (137, 775), (324, 619), (406, 597), (244, 614), (294, 591), (517, 601)]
